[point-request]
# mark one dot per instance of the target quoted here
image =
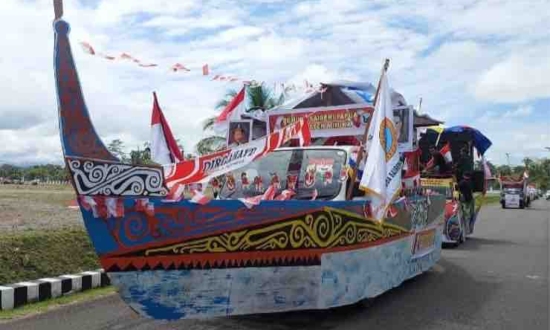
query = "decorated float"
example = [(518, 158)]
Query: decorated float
[(514, 191), (459, 146), (289, 230)]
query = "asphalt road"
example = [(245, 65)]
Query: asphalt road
[(497, 280)]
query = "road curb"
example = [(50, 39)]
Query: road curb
[(22, 293)]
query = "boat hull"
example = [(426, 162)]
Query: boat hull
[(343, 278), (309, 255)]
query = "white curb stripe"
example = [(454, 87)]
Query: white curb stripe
[(7, 297)]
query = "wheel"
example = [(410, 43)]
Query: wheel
[(521, 205)]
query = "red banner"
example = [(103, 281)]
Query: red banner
[(206, 167), (326, 121)]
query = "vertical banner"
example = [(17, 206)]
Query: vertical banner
[(403, 120)]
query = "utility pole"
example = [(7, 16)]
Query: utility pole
[(508, 158)]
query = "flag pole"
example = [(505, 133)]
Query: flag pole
[(366, 134)]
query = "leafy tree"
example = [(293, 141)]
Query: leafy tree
[(116, 147)]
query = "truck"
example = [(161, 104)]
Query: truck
[(514, 193)]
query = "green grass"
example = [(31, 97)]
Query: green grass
[(47, 305), (33, 254), (492, 199)]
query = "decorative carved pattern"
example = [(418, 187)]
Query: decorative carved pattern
[(115, 179), (324, 229)]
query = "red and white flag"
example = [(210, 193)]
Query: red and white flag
[(268, 195), (164, 148), (204, 168), (232, 111), (446, 152), (205, 70), (199, 198), (179, 67), (87, 48), (115, 207), (285, 195)]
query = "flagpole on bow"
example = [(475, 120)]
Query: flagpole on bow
[(366, 134)]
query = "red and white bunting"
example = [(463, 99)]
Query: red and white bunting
[(87, 48), (206, 167), (285, 195), (179, 67), (199, 198), (206, 71)]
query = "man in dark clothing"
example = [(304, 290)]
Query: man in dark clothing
[(467, 203), (437, 163), (465, 187), (464, 163)]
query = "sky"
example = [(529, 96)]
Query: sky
[(478, 63)]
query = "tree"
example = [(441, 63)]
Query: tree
[(141, 156), (260, 98), (116, 147)]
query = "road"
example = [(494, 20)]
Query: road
[(497, 280)]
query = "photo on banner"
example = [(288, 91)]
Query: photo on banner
[(403, 119), (239, 132)]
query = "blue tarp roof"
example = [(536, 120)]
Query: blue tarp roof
[(481, 142)]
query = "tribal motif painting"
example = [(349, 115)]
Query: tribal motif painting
[(115, 179), (297, 240), (324, 229)]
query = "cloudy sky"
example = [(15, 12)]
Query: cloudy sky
[(479, 63)]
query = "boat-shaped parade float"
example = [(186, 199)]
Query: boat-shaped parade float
[(317, 247)]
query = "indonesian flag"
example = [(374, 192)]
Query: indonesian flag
[(268, 195), (382, 175), (179, 67), (232, 111), (164, 148), (285, 195), (205, 70), (446, 152), (87, 48), (199, 198), (115, 207)]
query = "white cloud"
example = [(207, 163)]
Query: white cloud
[(522, 76), (461, 57)]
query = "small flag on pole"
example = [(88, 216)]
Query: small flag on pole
[(205, 70)]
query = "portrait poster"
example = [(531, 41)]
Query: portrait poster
[(240, 132), (403, 119)]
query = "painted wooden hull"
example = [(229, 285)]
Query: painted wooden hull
[(221, 259)]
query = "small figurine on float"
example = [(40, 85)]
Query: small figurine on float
[(327, 177), (245, 183), (291, 181), (275, 182), (258, 183), (230, 182), (309, 179)]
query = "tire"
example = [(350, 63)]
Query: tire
[(521, 205)]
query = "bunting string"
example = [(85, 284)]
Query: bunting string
[(308, 87)]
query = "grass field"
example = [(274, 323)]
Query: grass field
[(39, 235), (37, 207)]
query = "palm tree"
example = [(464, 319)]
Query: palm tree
[(259, 98)]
